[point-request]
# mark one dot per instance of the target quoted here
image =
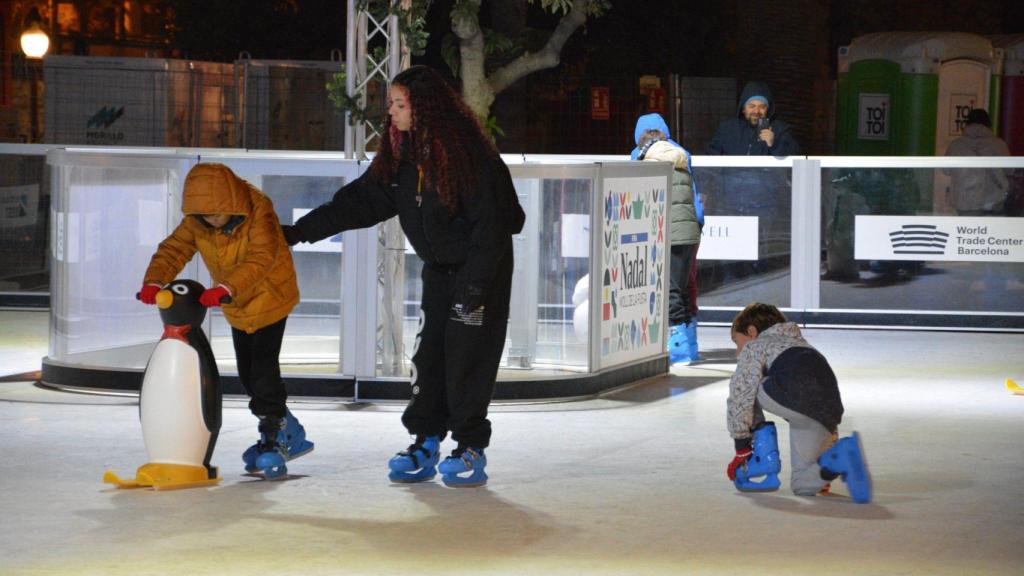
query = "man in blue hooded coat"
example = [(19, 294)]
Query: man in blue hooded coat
[(754, 131), (756, 191)]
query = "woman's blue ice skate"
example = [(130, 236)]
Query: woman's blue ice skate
[(464, 468), (846, 458), (417, 462), (277, 445), (763, 462)]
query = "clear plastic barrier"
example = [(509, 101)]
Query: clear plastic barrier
[(108, 218), (948, 242), (812, 234), (745, 250)]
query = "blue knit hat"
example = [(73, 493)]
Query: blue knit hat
[(757, 97)]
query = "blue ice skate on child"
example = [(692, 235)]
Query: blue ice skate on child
[(280, 440), (846, 459), (761, 471)]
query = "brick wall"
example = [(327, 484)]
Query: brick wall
[(785, 43)]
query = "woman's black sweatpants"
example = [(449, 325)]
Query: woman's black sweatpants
[(455, 358)]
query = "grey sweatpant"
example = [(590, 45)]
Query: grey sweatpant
[(807, 440)]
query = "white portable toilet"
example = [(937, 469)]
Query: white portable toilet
[(964, 83)]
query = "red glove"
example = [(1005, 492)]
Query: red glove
[(148, 293), (739, 460), (212, 296)]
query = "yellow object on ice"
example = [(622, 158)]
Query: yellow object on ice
[(164, 477), (1014, 387)]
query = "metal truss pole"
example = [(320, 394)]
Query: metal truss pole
[(368, 70)]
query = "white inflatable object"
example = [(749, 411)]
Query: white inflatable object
[(581, 316)]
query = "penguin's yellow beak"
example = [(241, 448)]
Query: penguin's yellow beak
[(164, 299)]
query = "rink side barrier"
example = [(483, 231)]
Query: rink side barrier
[(581, 223)]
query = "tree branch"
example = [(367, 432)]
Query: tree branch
[(548, 56), (466, 25)]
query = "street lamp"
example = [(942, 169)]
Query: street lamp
[(34, 41)]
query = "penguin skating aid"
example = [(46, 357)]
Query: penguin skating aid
[(180, 399)]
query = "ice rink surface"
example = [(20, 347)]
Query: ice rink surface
[(632, 482)]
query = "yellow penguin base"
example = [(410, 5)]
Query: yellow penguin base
[(1014, 387), (164, 477)]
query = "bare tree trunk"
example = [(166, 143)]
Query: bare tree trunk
[(478, 90), (508, 18)]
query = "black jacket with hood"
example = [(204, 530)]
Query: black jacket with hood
[(476, 240), (736, 137)]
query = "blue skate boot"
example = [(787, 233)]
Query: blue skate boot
[(417, 462), (678, 345), (464, 468), (846, 458), (691, 339), (764, 462), (280, 441)]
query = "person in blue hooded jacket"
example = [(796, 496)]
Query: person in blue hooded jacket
[(686, 220)]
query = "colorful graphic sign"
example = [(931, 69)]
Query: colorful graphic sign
[(634, 268)]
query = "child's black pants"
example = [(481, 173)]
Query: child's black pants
[(259, 368)]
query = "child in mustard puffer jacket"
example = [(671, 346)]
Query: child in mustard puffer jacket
[(234, 228)]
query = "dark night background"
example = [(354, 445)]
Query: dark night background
[(791, 44)]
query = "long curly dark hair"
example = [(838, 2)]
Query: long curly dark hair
[(446, 139)]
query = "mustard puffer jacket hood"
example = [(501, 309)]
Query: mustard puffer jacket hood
[(249, 255)]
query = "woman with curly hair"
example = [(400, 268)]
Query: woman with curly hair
[(440, 174)]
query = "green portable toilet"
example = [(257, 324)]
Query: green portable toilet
[(907, 93)]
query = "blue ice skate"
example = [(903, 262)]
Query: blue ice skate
[(764, 462), (417, 462), (464, 468), (846, 458), (691, 339), (679, 345), (269, 456)]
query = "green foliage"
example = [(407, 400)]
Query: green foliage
[(412, 28), (596, 8), (338, 94), (490, 125), (411, 23), (450, 53), (499, 49), (464, 9)]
